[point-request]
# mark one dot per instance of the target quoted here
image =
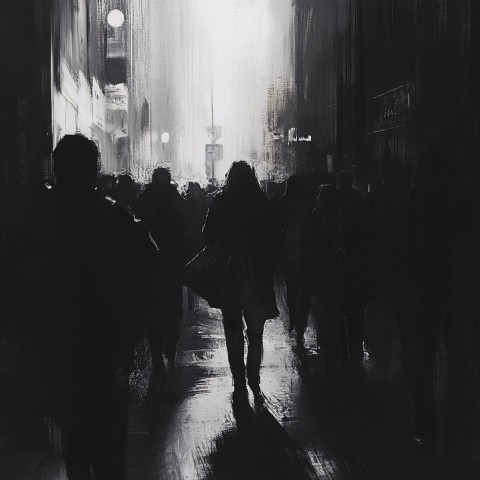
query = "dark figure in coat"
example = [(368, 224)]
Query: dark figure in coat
[(242, 224), (163, 211), (85, 266), (125, 191), (322, 269), (355, 254), (293, 211), (197, 207)]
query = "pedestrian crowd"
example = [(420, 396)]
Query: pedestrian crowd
[(103, 261)]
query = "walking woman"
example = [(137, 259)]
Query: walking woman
[(242, 225)]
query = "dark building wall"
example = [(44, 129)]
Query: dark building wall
[(391, 86), (79, 39), (25, 134), (330, 84), (390, 42), (377, 80), (33, 34)]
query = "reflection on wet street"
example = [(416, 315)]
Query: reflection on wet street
[(299, 430), (201, 434)]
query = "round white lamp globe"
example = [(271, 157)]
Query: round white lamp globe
[(115, 18), (165, 137)]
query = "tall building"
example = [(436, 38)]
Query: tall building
[(80, 46), (390, 88)]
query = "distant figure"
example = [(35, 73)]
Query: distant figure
[(355, 252), (125, 191), (197, 206), (85, 267), (105, 183), (293, 211), (163, 211), (242, 224), (322, 269), (197, 211)]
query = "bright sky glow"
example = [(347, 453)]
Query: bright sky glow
[(234, 50)]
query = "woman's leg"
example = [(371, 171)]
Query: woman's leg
[(233, 325), (255, 323)]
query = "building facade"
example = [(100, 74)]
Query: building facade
[(389, 89)]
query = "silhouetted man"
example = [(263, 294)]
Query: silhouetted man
[(125, 190), (163, 211), (84, 272), (197, 211), (197, 207), (354, 253), (293, 211), (322, 274)]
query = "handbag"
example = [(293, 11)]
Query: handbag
[(205, 274)]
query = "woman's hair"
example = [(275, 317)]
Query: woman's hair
[(242, 181)]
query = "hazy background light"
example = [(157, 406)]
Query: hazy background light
[(115, 18), (225, 54)]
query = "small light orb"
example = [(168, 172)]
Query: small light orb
[(115, 18), (165, 137)]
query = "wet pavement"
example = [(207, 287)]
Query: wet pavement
[(300, 430), (202, 434), (193, 429)]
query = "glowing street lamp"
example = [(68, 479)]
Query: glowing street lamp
[(116, 18), (165, 137)]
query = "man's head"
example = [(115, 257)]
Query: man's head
[(75, 161), (125, 181), (161, 176), (194, 188)]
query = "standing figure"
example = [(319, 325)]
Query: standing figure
[(322, 270), (163, 211), (293, 211), (86, 268), (197, 207), (242, 224), (125, 191), (355, 252), (197, 211)]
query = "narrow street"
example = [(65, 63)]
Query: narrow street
[(300, 431)]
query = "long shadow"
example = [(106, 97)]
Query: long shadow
[(257, 447)]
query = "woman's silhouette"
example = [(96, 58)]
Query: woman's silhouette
[(241, 223)]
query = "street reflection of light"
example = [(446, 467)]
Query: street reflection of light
[(115, 18), (165, 137)]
